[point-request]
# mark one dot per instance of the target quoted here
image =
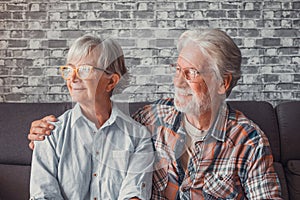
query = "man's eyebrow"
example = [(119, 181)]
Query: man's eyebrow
[(189, 62)]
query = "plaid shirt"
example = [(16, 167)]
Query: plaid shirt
[(233, 162)]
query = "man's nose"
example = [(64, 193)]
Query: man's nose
[(179, 80)]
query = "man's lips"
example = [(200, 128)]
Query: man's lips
[(183, 94), (177, 93), (78, 88)]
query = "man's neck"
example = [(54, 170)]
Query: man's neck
[(201, 121), (205, 119)]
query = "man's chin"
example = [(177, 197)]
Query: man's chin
[(189, 108), (181, 107)]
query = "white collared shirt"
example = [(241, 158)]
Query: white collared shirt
[(79, 161)]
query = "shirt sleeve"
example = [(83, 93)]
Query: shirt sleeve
[(43, 179), (138, 181), (262, 181)]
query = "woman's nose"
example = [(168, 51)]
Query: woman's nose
[(73, 76)]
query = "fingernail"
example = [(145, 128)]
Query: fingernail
[(51, 127), (48, 132), (41, 137)]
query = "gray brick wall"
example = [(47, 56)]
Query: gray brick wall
[(35, 34)]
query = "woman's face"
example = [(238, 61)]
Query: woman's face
[(84, 91)]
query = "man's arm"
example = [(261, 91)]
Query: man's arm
[(262, 181), (40, 128)]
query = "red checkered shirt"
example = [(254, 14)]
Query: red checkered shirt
[(234, 161)]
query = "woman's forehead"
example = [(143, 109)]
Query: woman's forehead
[(91, 58)]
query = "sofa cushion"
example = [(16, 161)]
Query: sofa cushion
[(14, 182), (288, 114), (293, 178), (280, 172)]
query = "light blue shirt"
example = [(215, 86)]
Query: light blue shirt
[(79, 161)]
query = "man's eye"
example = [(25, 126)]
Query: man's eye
[(193, 72)]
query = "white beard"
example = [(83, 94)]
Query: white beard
[(194, 106)]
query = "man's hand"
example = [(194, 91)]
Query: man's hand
[(40, 128)]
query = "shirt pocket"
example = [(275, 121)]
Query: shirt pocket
[(220, 186)]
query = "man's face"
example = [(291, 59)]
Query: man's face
[(85, 91), (194, 96)]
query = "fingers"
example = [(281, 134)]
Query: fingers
[(31, 145), (40, 128), (35, 137), (50, 118)]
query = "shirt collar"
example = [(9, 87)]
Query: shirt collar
[(218, 128), (115, 113), (76, 114)]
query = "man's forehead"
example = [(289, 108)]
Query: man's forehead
[(192, 56)]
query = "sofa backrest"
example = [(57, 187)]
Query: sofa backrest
[(289, 125), (288, 115), (15, 156)]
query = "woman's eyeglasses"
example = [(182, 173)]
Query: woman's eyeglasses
[(82, 71)]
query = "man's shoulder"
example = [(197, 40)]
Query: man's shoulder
[(164, 102), (159, 108), (156, 112), (243, 129), (160, 105)]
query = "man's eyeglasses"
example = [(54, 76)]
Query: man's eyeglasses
[(82, 71), (189, 73)]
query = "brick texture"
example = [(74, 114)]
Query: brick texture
[(35, 35)]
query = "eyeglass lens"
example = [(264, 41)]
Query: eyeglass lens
[(83, 72)]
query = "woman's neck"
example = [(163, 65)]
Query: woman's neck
[(99, 113)]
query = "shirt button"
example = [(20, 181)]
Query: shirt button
[(143, 185), (95, 174), (97, 152), (181, 140), (95, 198)]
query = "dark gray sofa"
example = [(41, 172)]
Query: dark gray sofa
[(279, 123)]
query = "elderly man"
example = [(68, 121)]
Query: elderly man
[(204, 148), (96, 151)]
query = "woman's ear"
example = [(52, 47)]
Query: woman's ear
[(114, 79), (225, 84)]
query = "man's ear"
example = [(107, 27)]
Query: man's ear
[(114, 79), (225, 84)]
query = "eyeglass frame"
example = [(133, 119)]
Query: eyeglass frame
[(76, 70), (193, 71)]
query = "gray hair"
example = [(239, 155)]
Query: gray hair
[(111, 55), (225, 56)]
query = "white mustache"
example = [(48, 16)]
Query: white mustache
[(184, 92)]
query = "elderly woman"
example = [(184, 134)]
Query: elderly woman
[(95, 151)]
